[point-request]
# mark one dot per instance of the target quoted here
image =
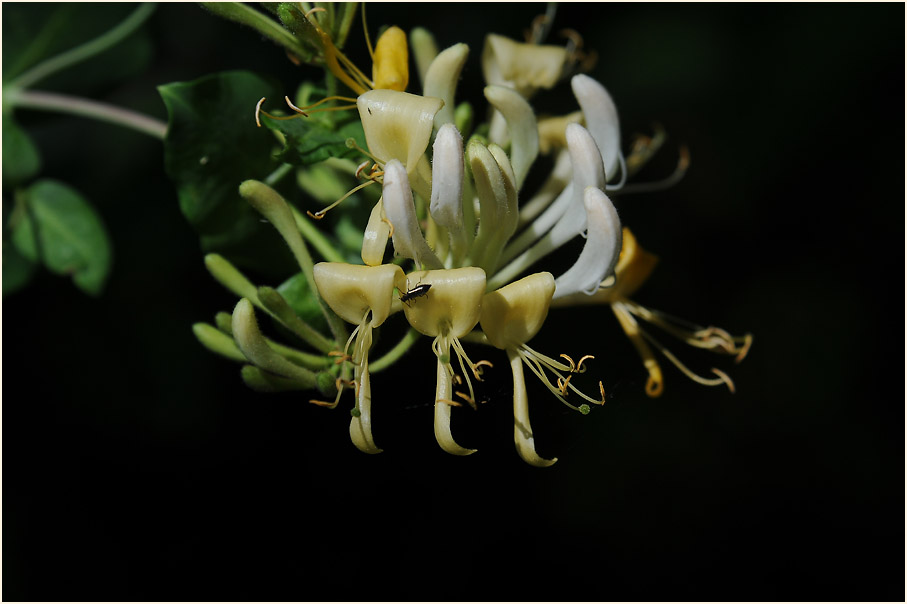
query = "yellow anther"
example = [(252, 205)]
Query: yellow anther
[(457, 379), (317, 9), (449, 402), (477, 368), (747, 342), (361, 167), (562, 384), (579, 364), (293, 58), (258, 110), (569, 360), (294, 107), (601, 388), (467, 398), (725, 378)]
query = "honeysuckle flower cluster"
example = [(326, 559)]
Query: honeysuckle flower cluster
[(467, 240)]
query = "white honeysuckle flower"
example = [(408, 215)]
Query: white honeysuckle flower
[(565, 218), (448, 310), (523, 67), (456, 212), (601, 120), (398, 125), (375, 236), (496, 190), (447, 172), (521, 122), (401, 212), (632, 270), (363, 296), (600, 251), (511, 316), (441, 80)]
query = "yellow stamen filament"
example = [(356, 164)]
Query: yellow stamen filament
[(655, 383), (747, 342), (467, 398), (368, 40), (537, 363), (320, 213), (317, 9), (391, 225)]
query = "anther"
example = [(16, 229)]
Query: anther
[(449, 402), (321, 403), (294, 107), (317, 9), (467, 398), (569, 360), (562, 384), (601, 388), (579, 364), (747, 342), (360, 168), (477, 368), (724, 378), (258, 110)]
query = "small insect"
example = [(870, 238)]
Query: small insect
[(416, 292)]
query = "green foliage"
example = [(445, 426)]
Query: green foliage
[(212, 145), (21, 160), (60, 229), (299, 296), (309, 141)]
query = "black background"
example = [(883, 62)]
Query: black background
[(136, 466)]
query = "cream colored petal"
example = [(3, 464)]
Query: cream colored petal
[(600, 251), (351, 290), (498, 212), (401, 212), (361, 426), (525, 67), (441, 80), (522, 429), (397, 125), (513, 314), (425, 49), (524, 132), (375, 236), (451, 306), (601, 119), (444, 391)]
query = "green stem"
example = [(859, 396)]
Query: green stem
[(85, 51), (394, 354), (246, 15), (51, 101), (277, 175), (311, 234)]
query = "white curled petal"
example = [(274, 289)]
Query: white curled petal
[(587, 172), (441, 80), (447, 178), (401, 212), (524, 131), (601, 250), (601, 119)]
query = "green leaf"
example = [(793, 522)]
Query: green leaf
[(21, 160), (309, 141), (62, 230), (17, 269), (301, 299), (213, 145)]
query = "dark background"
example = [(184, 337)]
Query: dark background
[(136, 466)]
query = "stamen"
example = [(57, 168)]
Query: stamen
[(293, 58), (467, 398), (569, 360), (747, 342), (449, 402), (579, 364), (360, 168), (562, 384), (320, 213), (323, 403), (476, 369), (317, 9), (721, 379), (390, 224), (655, 384), (294, 107), (725, 378), (683, 164), (368, 41), (258, 110), (601, 388), (351, 144)]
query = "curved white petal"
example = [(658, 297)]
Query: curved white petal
[(447, 178), (601, 250), (441, 80), (524, 131), (601, 119), (401, 212)]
